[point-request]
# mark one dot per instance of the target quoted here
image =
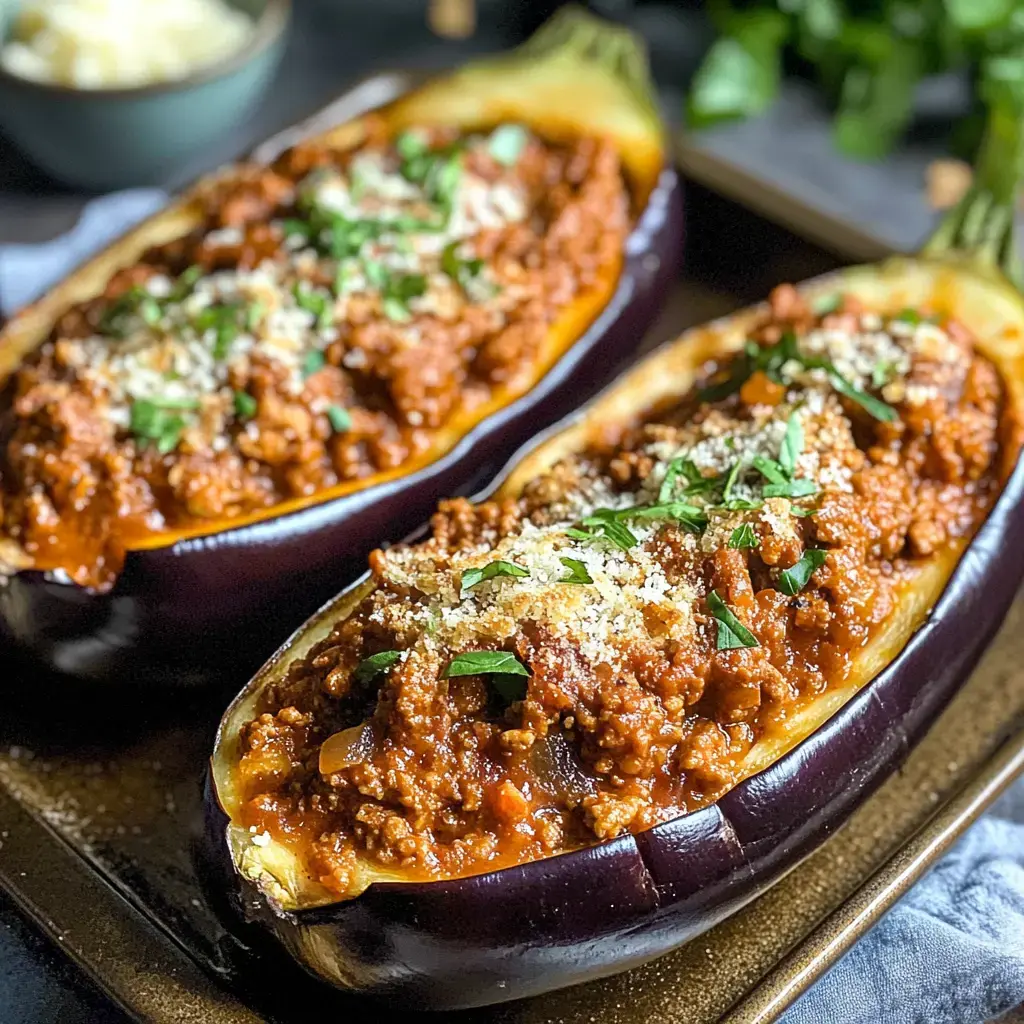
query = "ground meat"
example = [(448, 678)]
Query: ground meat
[(614, 732), (80, 482)]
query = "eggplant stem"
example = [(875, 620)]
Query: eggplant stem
[(575, 33), (981, 228)]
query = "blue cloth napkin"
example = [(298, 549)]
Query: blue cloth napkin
[(952, 950)]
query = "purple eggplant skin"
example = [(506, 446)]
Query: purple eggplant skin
[(583, 915), (187, 613)]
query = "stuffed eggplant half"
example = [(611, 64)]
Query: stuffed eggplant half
[(595, 713), (240, 397)]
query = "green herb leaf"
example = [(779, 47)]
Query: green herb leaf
[(399, 289), (254, 315), (490, 571), (506, 144), (160, 421), (696, 482), (802, 512), (793, 580), (577, 571), (317, 303), (340, 419), (462, 271), (740, 505), (769, 469), (293, 226), (607, 521), (873, 406), (732, 634), (743, 537), (185, 284), (342, 277), (730, 480), (792, 445), (881, 373), (577, 534), (376, 273), (134, 304), (799, 488), (312, 362), (374, 665), (474, 663), (410, 144), (689, 516), (245, 405)]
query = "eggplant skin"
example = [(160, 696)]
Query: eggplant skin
[(201, 609), (552, 923)]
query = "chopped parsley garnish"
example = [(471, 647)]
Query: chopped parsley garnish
[(437, 171), (770, 469), (881, 373), (410, 144), (185, 284), (135, 303), (312, 362), (696, 482), (743, 537), (473, 577), (342, 277), (730, 481), (245, 405), (317, 303), (770, 361), (606, 523), (731, 633), (577, 571), (374, 665), (872, 406), (225, 320), (462, 271), (800, 488), (340, 419), (781, 482), (397, 292), (505, 670), (292, 226), (475, 663), (376, 273), (690, 517), (793, 580), (506, 144), (792, 444), (159, 420)]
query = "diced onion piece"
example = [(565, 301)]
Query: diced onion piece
[(558, 770), (348, 747)]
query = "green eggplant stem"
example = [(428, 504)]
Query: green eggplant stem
[(981, 228), (575, 33)]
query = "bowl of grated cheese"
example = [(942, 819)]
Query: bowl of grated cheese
[(114, 93)]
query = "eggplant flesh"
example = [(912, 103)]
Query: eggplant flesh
[(546, 924), (188, 608)]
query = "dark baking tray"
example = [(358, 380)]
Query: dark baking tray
[(100, 796)]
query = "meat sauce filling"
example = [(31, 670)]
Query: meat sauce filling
[(331, 315), (598, 655)]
